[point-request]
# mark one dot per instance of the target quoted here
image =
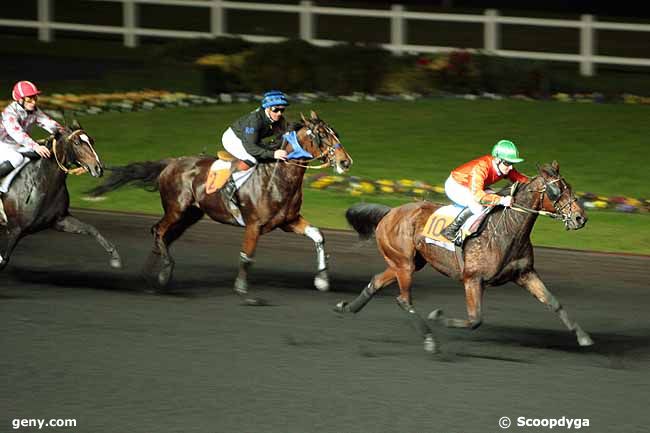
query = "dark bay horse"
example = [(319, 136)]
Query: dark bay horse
[(501, 253), (270, 198), (38, 198)]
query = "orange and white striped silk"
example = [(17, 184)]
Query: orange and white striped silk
[(481, 172)]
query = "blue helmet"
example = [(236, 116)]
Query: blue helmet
[(274, 98)]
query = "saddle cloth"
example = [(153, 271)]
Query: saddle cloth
[(442, 218), (5, 183)]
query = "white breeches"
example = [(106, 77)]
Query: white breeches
[(234, 145), (462, 196), (9, 153)]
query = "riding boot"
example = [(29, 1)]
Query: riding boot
[(5, 168), (451, 231), (229, 189)]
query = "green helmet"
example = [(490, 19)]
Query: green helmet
[(506, 150)]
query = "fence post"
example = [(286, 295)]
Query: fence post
[(397, 28), (45, 33), (130, 16), (217, 24), (307, 22), (587, 46), (491, 34)]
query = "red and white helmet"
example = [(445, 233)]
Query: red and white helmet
[(22, 89)]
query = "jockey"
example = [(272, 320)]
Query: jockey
[(466, 184), (243, 139), (17, 121)]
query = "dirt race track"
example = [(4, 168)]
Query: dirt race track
[(82, 341)]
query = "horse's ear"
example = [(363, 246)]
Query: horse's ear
[(302, 116), (556, 166), (314, 115), (75, 125)]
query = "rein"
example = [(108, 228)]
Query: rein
[(76, 171), (555, 215)]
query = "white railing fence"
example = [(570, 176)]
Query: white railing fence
[(307, 11)]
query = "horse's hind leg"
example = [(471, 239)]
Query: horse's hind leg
[(377, 282), (171, 226), (302, 227), (530, 281), (70, 224)]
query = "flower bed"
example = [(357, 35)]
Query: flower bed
[(359, 186)]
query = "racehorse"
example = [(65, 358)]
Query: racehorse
[(500, 253), (270, 198), (38, 198)]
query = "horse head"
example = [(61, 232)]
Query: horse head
[(558, 197), (74, 146), (322, 141)]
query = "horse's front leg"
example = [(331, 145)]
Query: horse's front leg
[(473, 300), (11, 237), (302, 227), (70, 224), (530, 281), (251, 236)]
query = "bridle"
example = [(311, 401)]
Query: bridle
[(554, 194), (328, 155), (76, 171)]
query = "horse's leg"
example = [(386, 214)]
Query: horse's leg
[(170, 227), (473, 301), (377, 282), (530, 281), (251, 236), (70, 224), (302, 227), (12, 237), (404, 280)]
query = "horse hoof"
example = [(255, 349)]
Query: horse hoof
[(164, 276), (241, 287), (430, 344), (585, 340), (435, 315), (116, 263), (255, 302), (321, 282), (341, 307)]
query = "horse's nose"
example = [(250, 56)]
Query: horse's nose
[(345, 163), (581, 220)]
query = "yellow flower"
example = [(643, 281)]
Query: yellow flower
[(439, 189), (367, 187), (600, 204), (387, 189)]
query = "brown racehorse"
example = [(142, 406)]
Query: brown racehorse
[(38, 198), (270, 198), (500, 253)]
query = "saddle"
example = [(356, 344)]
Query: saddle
[(444, 216)]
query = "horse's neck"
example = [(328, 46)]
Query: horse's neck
[(511, 224), (289, 175)]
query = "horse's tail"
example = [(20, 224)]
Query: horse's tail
[(364, 217), (143, 174)]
